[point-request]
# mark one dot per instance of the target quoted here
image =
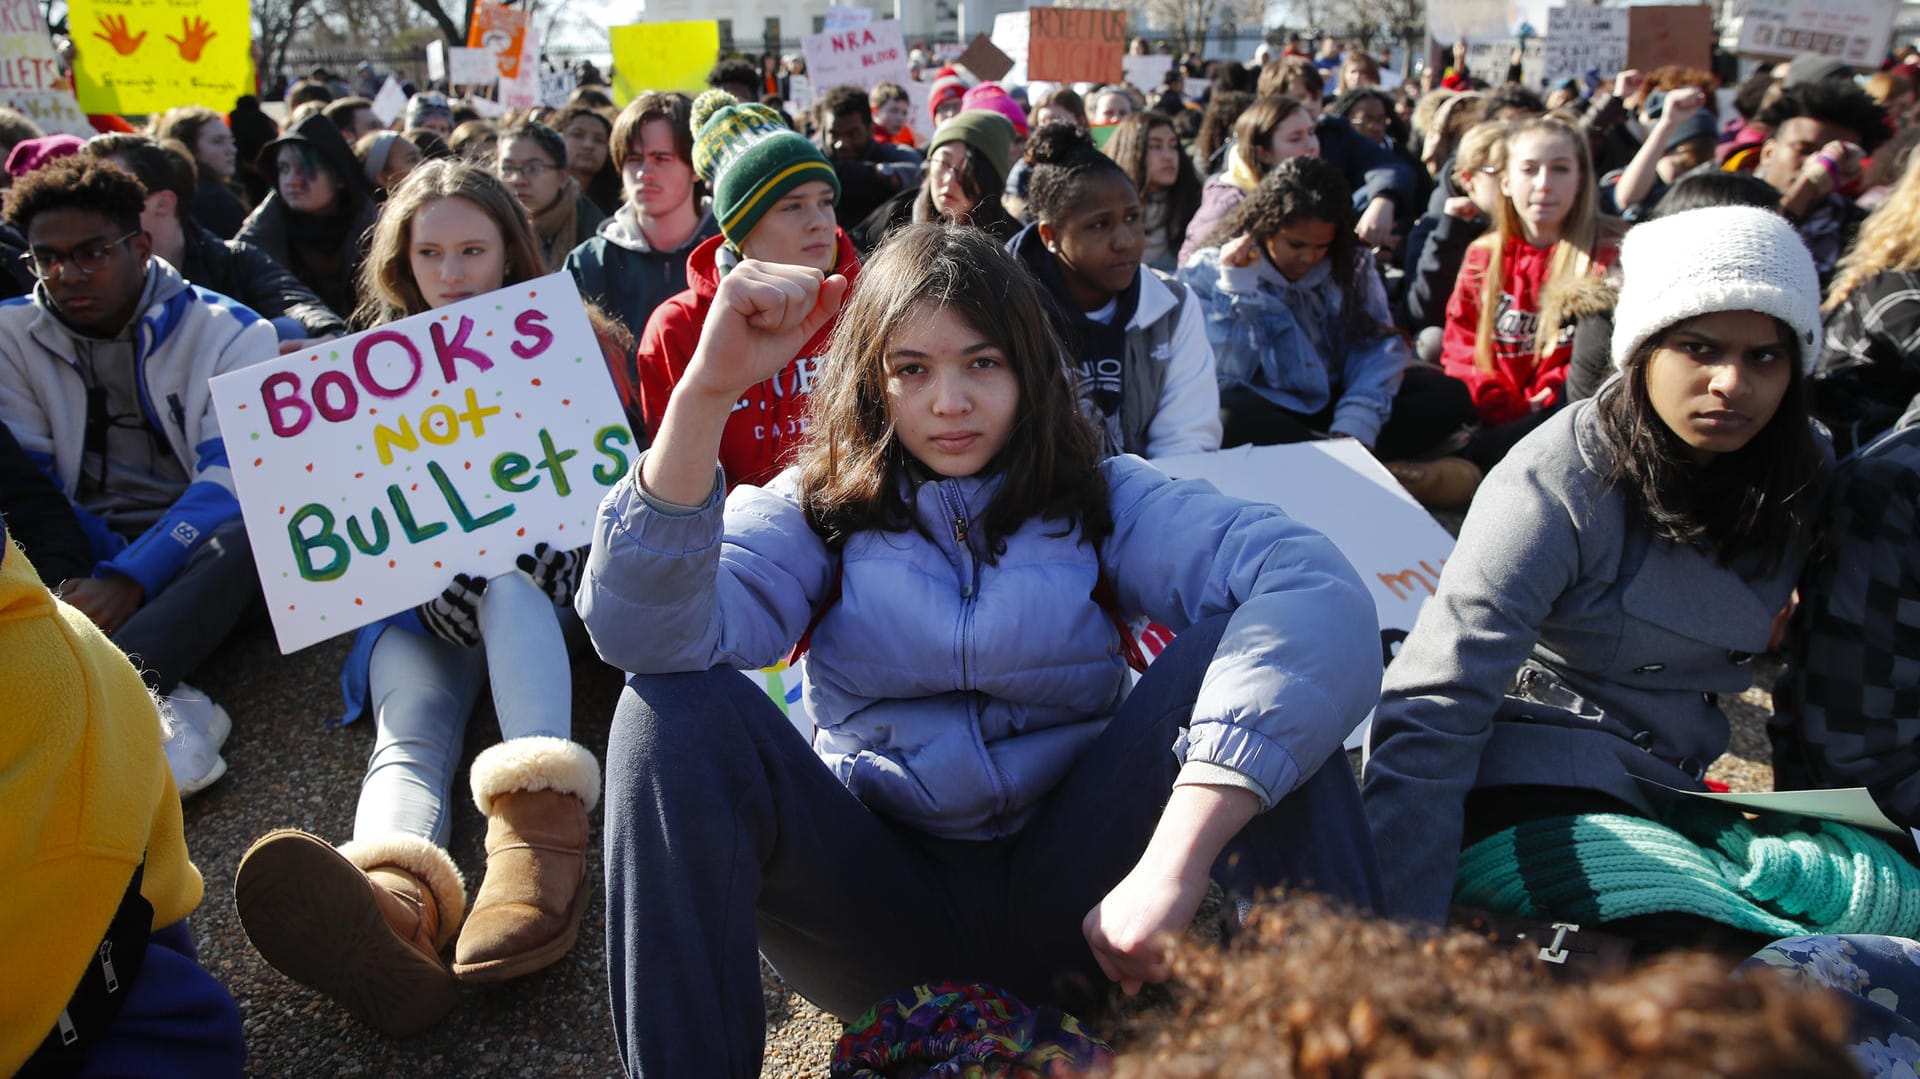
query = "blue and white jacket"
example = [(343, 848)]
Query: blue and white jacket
[(186, 336), (952, 694), (1282, 339)]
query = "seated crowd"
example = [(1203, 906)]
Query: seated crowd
[(901, 378)]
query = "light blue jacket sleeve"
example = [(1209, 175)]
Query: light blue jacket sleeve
[(732, 584), (1299, 664), (1371, 370)]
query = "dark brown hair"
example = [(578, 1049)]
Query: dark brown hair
[(159, 165), (1128, 146), (854, 472), (675, 109)]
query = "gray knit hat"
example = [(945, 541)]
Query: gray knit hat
[(1718, 258)]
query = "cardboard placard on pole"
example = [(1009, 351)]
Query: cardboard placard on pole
[(151, 56), (1658, 36), (1066, 44), (985, 59), (471, 67), (436, 60), (1145, 73), (372, 468), (1583, 39), (390, 102), (663, 56), (502, 32), (859, 57), (1856, 31)]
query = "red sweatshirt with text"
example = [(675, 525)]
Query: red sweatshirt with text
[(1502, 393), (764, 430)]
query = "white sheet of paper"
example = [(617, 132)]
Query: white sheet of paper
[(1848, 805)]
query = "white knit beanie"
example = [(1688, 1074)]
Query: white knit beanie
[(1718, 258)]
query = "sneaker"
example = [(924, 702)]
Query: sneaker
[(194, 759), (195, 707)]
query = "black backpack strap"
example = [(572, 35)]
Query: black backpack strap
[(103, 989)]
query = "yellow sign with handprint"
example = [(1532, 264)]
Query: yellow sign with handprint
[(141, 56)]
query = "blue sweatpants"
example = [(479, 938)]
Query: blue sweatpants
[(178, 1020), (726, 838)]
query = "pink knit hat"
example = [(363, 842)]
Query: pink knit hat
[(989, 96), (30, 154)]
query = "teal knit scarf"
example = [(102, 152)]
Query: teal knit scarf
[(1780, 876)]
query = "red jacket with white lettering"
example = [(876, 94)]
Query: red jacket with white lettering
[(762, 434), (1502, 394)]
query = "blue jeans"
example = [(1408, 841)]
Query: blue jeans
[(727, 838), (423, 688)]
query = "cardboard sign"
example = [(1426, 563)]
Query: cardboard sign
[(502, 32), (1010, 36), (1066, 44), (471, 67), (555, 88), (1145, 73), (1658, 36), (390, 102), (1583, 39), (1856, 31), (1336, 487), (30, 79), (663, 56), (373, 468), (436, 61), (862, 57), (985, 59), (139, 56), (799, 95), (840, 17)]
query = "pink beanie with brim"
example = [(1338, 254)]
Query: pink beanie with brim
[(30, 154), (989, 96)]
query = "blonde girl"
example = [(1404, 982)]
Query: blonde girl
[(1869, 372)]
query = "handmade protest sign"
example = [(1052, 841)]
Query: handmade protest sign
[(663, 56), (984, 58), (1146, 73), (1856, 31), (501, 32), (841, 17), (471, 67), (859, 57), (139, 56), (1583, 39), (1066, 44), (436, 60), (1660, 36), (1336, 487), (555, 88), (522, 89), (1010, 36), (30, 78), (390, 102), (373, 468)]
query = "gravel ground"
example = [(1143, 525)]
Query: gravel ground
[(290, 768)]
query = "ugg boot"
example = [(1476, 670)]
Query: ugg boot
[(363, 924), (536, 793), (1444, 483)]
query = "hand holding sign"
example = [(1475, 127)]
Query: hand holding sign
[(117, 36), (193, 38)]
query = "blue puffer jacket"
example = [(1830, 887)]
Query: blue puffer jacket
[(952, 694)]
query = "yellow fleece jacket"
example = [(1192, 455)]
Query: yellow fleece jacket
[(86, 792)]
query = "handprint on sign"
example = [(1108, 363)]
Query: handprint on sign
[(116, 34), (193, 38)]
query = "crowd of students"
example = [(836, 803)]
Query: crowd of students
[(902, 379)]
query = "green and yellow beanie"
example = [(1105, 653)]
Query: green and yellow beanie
[(750, 158)]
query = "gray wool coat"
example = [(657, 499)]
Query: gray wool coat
[(1566, 647)]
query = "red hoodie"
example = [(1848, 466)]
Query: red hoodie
[(1502, 393), (765, 427)]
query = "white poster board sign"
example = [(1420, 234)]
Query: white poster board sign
[(1856, 31), (523, 90), (32, 83), (1450, 20), (799, 95), (1583, 39), (390, 102), (1338, 488), (841, 17), (1144, 73), (555, 88), (858, 57), (436, 60), (471, 67), (1848, 805), (373, 468), (1010, 33)]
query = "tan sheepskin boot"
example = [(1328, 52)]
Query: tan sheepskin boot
[(536, 793), (363, 924)]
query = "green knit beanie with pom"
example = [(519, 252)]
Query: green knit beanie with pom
[(750, 158)]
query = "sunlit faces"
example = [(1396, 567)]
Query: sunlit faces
[(1784, 154), (798, 230), (1717, 380), (946, 172), (951, 393), (1483, 187), (658, 180), (586, 144), (893, 116), (455, 250), (1110, 107), (1163, 158), (92, 269), (1299, 246), (213, 148), (307, 187), (1098, 245), (534, 178), (1542, 180), (1294, 137)]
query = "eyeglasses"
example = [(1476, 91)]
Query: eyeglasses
[(86, 260), (532, 170)]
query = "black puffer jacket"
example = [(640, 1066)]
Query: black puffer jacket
[(331, 272), (250, 275)]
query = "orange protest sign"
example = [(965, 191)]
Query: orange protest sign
[(1066, 44), (502, 31)]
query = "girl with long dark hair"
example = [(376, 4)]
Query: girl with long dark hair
[(1148, 150)]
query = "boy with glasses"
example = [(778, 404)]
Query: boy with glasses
[(104, 375)]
